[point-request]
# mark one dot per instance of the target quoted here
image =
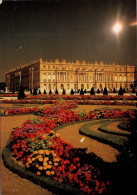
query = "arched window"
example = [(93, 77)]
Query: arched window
[(87, 86), (120, 78), (115, 77), (49, 86), (45, 86)]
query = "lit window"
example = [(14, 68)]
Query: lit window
[(120, 78), (53, 76), (44, 76), (49, 76), (115, 77)]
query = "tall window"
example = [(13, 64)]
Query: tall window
[(49, 77), (111, 77), (53, 76), (68, 86), (49, 86), (124, 77), (44, 76), (87, 86), (120, 78), (45, 86), (115, 77), (86, 77), (54, 86), (44, 66), (93, 77), (48, 66)]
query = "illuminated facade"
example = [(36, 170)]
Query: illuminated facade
[(69, 75)]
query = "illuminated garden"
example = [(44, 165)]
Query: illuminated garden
[(70, 143)]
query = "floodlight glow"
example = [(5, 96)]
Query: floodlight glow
[(117, 28)]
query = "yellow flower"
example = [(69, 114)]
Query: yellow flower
[(40, 159), (33, 159), (40, 168), (45, 167), (50, 163), (49, 166), (46, 159), (38, 173), (47, 152), (47, 173), (55, 164), (35, 152), (41, 151), (37, 165), (52, 172)]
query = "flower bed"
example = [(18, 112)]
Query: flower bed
[(81, 97), (35, 101), (45, 154)]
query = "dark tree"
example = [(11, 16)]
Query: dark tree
[(30, 91), (21, 93), (72, 92), (64, 91), (98, 91), (124, 91), (45, 91), (13, 90), (81, 91), (35, 91), (105, 92), (85, 91), (92, 91), (56, 92), (114, 90), (50, 92), (120, 92), (39, 91), (133, 90)]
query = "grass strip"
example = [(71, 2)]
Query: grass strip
[(103, 128), (122, 126), (112, 140), (45, 182)]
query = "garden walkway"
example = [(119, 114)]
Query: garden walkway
[(12, 184), (71, 135)]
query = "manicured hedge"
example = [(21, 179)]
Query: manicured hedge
[(122, 126), (112, 140), (45, 182), (103, 128)]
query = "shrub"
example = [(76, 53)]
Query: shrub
[(124, 91), (39, 91), (45, 91), (35, 91), (56, 92), (133, 90), (50, 92), (120, 92), (72, 92), (92, 91), (81, 92), (21, 93), (98, 91), (114, 90), (105, 92), (64, 91)]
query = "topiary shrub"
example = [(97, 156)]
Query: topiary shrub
[(98, 91), (56, 92), (114, 90), (50, 92), (124, 91), (30, 91), (72, 92), (92, 91), (35, 91), (45, 91), (133, 90), (85, 91), (105, 92), (120, 92), (39, 91), (81, 92), (21, 93), (64, 91)]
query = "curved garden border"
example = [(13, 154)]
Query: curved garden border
[(45, 182), (103, 128), (102, 137)]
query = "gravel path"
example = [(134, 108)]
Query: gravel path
[(71, 135), (12, 184)]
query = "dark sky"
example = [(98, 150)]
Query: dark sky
[(69, 29)]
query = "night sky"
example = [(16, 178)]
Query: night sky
[(69, 29)]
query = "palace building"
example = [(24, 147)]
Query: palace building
[(69, 75)]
